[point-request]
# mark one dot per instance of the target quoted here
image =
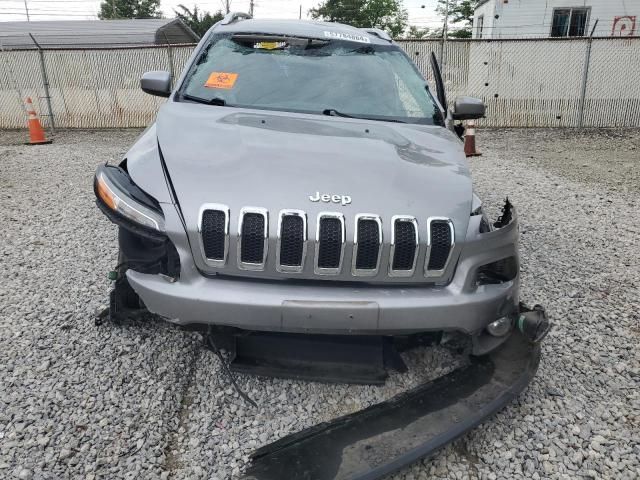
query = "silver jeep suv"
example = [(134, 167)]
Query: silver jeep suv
[(304, 200), (302, 178)]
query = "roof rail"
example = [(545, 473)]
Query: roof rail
[(378, 33), (233, 17)]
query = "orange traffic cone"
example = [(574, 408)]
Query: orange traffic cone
[(470, 140), (36, 132)]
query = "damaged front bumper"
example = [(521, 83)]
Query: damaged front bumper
[(388, 436), (468, 303)]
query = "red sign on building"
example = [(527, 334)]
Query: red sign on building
[(624, 26)]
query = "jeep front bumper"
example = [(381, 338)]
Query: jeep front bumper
[(341, 308)]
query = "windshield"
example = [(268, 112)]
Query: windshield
[(333, 77)]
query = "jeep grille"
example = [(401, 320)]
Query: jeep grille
[(330, 242)]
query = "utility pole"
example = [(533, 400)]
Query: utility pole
[(227, 5), (445, 32), (26, 9), (585, 76), (251, 7), (300, 16)]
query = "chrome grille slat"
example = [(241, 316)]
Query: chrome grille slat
[(367, 245), (440, 243), (404, 246), (292, 241), (330, 239), (214, 238), (253, 238)]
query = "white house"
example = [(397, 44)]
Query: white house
[(556, 18)]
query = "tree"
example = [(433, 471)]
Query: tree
[(389, 15), (460, 33), (198, 21), (460, 12), (417, 32), (112, 9)]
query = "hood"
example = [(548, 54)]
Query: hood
[(277, 160)]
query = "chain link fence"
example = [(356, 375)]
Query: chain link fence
[(525, 83)]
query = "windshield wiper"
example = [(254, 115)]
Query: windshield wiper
[(332, 112), (221, 102)]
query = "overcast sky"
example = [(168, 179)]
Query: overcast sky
[(14, 10)]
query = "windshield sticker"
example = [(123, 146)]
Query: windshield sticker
[(224, 80), (270, 45), (347, 36)]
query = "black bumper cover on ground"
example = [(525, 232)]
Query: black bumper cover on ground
[(388, 436)]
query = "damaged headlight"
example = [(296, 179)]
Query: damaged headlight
[(118, 194), (500, 271), (476, 209)]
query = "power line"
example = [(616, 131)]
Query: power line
[(46, 1), (32, 10), (51, 14)]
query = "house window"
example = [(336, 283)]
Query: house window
[(479, 26), (569, 22)]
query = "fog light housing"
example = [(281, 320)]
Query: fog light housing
[(497, 272), (500, 327)]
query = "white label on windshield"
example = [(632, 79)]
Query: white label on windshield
[(347, 36)]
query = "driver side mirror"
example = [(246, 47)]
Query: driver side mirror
[(468, 108), (156, 83)]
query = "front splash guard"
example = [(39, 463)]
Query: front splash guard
[(385, 437)]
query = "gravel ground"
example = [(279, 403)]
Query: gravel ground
[(145, 401)]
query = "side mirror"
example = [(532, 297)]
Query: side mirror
[(156, 83), (467, 108)]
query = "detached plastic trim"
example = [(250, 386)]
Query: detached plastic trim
[(384, 438)]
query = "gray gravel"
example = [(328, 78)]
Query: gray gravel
[(145, 401)]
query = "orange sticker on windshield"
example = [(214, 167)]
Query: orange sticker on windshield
[(223, 80)]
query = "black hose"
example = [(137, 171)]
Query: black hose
[(225, 367)]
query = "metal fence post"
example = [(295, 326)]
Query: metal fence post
[(585, 76), (45, 82)]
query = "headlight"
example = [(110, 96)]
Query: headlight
[(117, 193)]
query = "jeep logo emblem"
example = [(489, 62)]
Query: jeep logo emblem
[(328, 198)]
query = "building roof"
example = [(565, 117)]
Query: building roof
[(95, 33)]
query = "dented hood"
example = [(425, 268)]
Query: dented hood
[(276, 160)]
